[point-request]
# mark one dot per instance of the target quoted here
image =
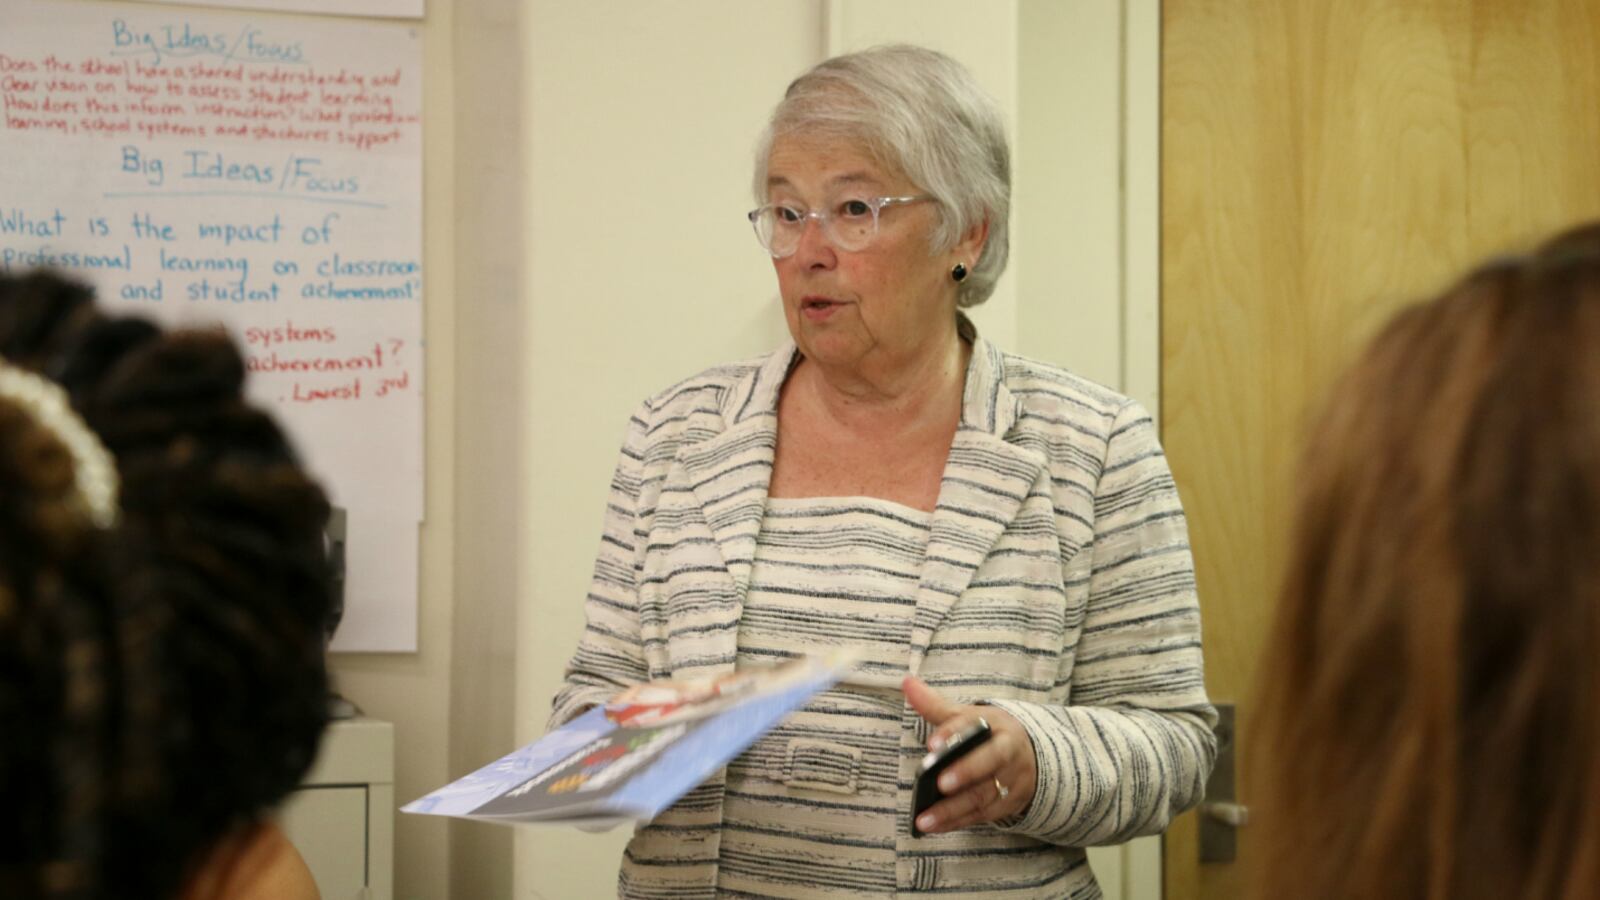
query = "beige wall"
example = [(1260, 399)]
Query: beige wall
[(490, 174), (412, 690), (586, 167)]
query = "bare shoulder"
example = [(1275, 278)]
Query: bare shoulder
[(261, 866), (283, 874)]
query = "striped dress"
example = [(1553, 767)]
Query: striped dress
[(810, 810)]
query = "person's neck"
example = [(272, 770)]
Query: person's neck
[(892, 396)]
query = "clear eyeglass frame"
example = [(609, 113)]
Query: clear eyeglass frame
[(855, 233)]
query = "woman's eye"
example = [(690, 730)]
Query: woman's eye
[(855, 208), (788, 215)]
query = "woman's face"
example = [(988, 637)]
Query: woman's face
[(882, 306)]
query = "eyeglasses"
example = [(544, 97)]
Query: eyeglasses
[(850, 225)]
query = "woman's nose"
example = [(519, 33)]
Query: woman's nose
[(816, 247)]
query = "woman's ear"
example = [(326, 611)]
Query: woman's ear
[(971, 245)]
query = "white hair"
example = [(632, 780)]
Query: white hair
[(922, 114)]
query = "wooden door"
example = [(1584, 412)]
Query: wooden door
[(1323, 162)]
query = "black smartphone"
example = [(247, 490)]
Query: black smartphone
[(926, 791)]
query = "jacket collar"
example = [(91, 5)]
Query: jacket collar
[(987, 405)]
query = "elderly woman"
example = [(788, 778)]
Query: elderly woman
[(997, 537)]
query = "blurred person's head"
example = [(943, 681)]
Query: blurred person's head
[(1430, 715), (162, 598)]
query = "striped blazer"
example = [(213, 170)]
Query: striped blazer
[(1057, 585)]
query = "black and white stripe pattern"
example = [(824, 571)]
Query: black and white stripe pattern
[(809, 810), (1056, 584)]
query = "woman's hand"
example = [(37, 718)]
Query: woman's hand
[(992, 782)]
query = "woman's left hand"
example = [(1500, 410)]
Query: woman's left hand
[(992, 782)]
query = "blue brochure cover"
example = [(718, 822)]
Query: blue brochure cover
[(634, 757)]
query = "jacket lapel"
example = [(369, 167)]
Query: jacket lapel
[(986, 479), (730, 472)]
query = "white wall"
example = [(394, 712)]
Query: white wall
[(1069, 185), (491, 170), (412, 690)]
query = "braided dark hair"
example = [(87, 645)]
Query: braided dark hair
[(162, 681)]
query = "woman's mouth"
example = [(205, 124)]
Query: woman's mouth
[(818, 309)]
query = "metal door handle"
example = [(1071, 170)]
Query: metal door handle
[(1236, 815), (1220, 812)]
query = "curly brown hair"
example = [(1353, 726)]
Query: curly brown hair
[(1430, 717), (162, 681)]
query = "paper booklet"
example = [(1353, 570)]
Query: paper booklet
[(632, 758)]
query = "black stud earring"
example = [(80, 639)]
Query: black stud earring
[(959, 273)]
